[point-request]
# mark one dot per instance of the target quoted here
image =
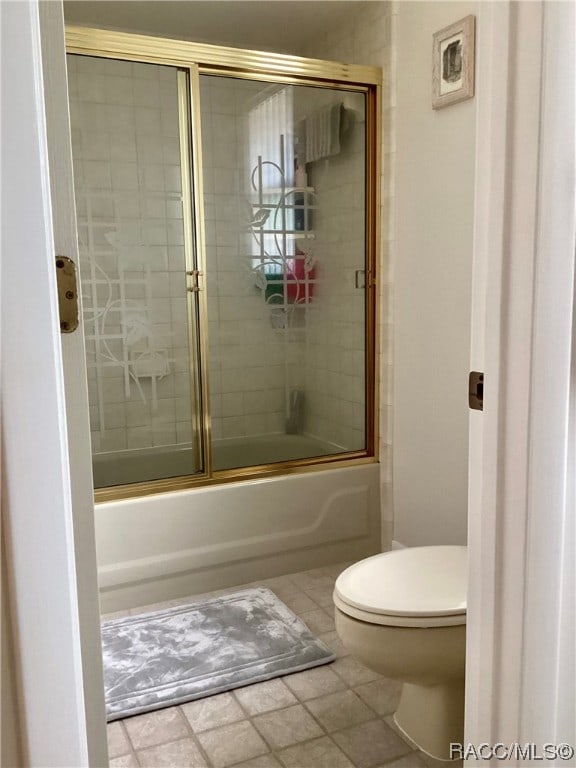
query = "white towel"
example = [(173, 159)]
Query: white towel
[(323, 133)]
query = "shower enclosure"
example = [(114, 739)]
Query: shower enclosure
[(226, 207)]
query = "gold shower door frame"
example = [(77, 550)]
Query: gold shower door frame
[(193, 60)]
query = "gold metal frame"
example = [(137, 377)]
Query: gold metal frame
[(194, 59), (201, 266), (160, 50), (373, 240), (219, 477), (190, 254)]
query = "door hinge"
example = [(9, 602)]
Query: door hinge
[(476, 391), (66, 280)]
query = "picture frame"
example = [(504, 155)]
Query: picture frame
[(453, 63)]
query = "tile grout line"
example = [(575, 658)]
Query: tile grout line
[(132, 751), (126, 734), (378, 716), (195, 739), (170, 741), (274, 751), (250, 719)]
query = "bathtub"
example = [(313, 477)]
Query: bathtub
[(171, 545), (132, 466)]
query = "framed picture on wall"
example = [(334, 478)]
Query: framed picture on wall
[(453, 63)]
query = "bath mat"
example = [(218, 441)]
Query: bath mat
[(171, 656)]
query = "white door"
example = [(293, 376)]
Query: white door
[(47, 511), (74, 367), (522, 575)]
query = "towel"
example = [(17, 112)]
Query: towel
[(323, 133)]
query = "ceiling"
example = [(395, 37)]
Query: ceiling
[(261, 24)]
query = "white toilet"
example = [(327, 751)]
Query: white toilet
[(403, 614)]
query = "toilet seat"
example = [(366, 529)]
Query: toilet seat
[(413, 587)]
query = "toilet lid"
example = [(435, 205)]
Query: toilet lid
[(416, 581)]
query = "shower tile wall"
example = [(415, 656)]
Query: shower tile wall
[(367, 36), (335, 349), (254, 365), (247, 359), (128, 192)]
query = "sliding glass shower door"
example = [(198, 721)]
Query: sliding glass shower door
[(227, 239), (137, 265), (284, 180)]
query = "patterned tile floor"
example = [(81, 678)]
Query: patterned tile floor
[(335, 716)]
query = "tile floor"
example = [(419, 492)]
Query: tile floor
[(335, 716)]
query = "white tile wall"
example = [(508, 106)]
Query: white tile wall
[(250, 362), (126, 162), (256, 364), (335, 387)]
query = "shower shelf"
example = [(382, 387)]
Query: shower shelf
[(281, 224)]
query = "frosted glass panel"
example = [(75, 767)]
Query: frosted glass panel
[(126, 152)]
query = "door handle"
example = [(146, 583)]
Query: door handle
[(195, 274)]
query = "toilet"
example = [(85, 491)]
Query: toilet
[(403, 614)]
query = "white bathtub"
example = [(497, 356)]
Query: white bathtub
[(186, 542), (132, 466)]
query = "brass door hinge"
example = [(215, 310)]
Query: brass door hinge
[(66, 279)]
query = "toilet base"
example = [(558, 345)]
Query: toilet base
[(432, 716)]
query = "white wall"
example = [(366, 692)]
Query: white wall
[(432, 283)]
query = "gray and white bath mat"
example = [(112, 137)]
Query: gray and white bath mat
[(179, 654)]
